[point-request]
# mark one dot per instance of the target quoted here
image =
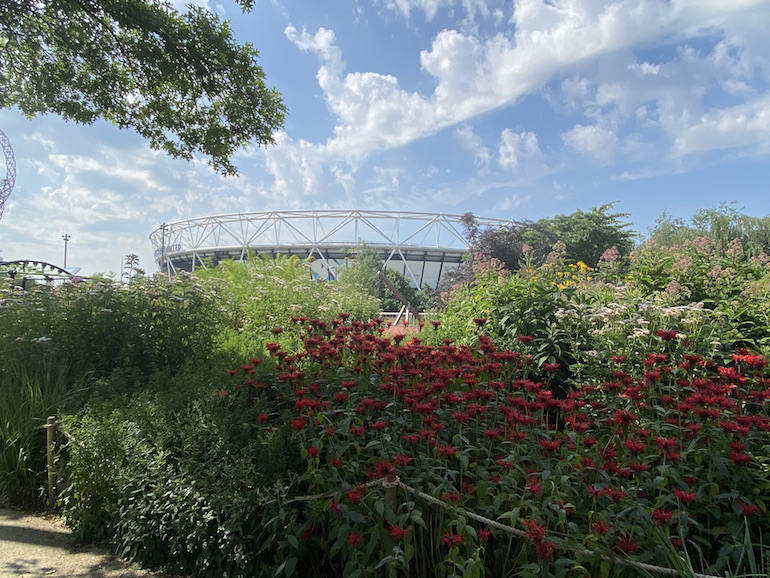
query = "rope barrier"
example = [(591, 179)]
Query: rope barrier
[(397, 483)]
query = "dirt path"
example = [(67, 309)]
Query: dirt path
[(36, 547)]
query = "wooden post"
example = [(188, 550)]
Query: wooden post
[(390, 492), (50, 434)]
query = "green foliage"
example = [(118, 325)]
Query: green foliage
[(721, 224), (361, 273), (179, 80), (507, 244), (587, 235), (95, 328), (190, 484), (29, 393), (55, 340), (658, 429), (265, 294)]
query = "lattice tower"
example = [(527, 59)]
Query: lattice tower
[(6, 185)]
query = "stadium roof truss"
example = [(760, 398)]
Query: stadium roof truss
[(404, 241)]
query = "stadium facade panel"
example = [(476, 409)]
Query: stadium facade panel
[(421, 246)]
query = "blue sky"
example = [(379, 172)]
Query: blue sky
[(517, 110)]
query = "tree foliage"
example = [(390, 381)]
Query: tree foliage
[(179, 79), (361, 271), (586, 236), (507, 244), (721, 224)]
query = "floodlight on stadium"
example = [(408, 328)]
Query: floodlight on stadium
[(421, 246)]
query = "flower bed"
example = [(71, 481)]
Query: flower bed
[(654, 454)]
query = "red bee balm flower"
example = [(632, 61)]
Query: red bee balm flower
[(544, 549), (534, 530), (451, 540), (354, 539), (551, 367), (626, 545), (397, 532), (666, 335), (748, 509), (661, 517), (684, 497)]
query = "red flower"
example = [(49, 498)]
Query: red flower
[(336, 462), (740, 457), (684, 497), (623, 417), (600, 528), (634, 446), (551, 367), (479, 321), (447, 451), (451, 540), (484, 534), (661, 516), (354, 539), (524, 338), (626, 545), (306, 535), (355, 495), (401, 460), (666, 335), (748, 509), (544, 549), (533, 485), (262, 418), (534, 530), (298, 423), (312, 451), (397, 532)]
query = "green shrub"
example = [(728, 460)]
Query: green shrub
[(176, 481)]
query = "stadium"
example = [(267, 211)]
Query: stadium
[(421, 246)]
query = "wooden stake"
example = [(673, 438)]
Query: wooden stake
[(50, 427)]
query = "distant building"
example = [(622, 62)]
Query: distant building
[(421, 246)]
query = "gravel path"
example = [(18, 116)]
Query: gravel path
[(36, 547)]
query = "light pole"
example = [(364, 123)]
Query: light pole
[(66, 239)]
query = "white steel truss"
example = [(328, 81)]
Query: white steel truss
[(405, 241)]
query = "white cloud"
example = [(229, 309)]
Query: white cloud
[(512, 202), (429, 7), (475, 144), (594, 141), (742, 125), (475, 74), (645, 68), (297, 169), (516, 146)]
